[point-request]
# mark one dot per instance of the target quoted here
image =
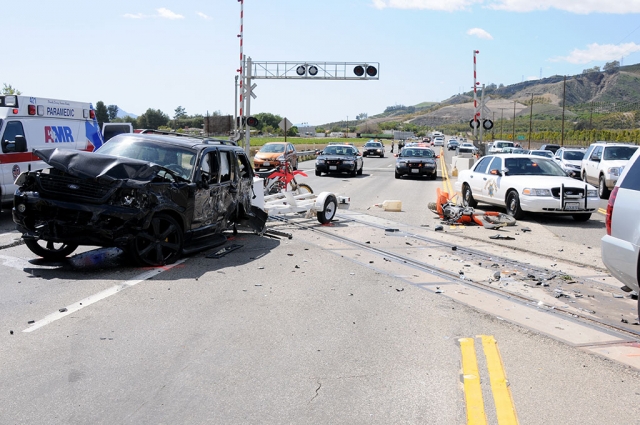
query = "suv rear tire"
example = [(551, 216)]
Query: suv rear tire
[(603, 190)]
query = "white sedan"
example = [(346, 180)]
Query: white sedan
[(523, 183)]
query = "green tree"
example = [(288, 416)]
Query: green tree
[(267, 119), (102, 115), (611, 66), (112, 110), (179, 113), (8, 89), (152, 119)]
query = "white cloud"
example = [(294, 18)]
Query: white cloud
[(480, 33), (203, 16), (134, 16), (167, 14), (598, 52), (162, 13), (573, 6), (444, 5)]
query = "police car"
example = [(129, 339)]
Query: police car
[(28, 123)]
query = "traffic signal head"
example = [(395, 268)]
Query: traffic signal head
[(252, 121)]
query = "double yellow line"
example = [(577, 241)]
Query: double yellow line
[(505, 410)]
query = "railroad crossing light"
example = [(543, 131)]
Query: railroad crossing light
[(252, 121), (474, 123), (305, 69), (487, 124), (359, 70)]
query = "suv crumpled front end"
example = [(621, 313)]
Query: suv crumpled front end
[(93, 199)]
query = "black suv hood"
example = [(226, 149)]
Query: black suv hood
[(99, 166)]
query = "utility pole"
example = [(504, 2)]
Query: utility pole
[(513, 135), (530, 121), (564, 91), (501, 120)]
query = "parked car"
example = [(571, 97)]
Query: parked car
[(452, 144), (468, 145), (339, 159), (524, 183), (498, 145), (621, 244), (417, 161), (570, 159), (373, 148), (155, 197), (603, 164), (539, 152), (550, 147), (270, 155)]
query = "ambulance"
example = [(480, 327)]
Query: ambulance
[(28, 123)]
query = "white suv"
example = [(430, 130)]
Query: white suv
[(603, 163), (621, 244)]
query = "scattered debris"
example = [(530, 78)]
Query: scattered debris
[(525, 229), (62, 310), (624, 321), (497, 275), (391, 230), (438, 228), (506, 238), (31, 322), (225, 250), (618, 296), (399, 289), (454, 248)]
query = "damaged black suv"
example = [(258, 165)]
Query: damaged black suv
[(156, 197)]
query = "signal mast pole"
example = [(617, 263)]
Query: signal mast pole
[(476, 113)]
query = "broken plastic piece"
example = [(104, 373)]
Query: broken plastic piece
[(506, 238), (224, 251)]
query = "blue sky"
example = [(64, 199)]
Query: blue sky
[(164, 54)]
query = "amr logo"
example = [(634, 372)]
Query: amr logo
[(57, 134)]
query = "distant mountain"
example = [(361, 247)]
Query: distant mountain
[(617, 90), (122, 113)]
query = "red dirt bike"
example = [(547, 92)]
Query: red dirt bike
[(458, 214), (283, 178)]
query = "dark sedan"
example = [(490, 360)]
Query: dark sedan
[(373, 148), (416, 161), (339, 159)]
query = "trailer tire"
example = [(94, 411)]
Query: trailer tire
[(328, 210)]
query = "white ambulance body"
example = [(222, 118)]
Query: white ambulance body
[(28, 123)]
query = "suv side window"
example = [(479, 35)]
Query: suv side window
[(587, 154), (226, 167), (482, 165), (244, 167), (12, 129), (209, 167), (597, 154)]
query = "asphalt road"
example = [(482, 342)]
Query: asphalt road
[(304, 330)]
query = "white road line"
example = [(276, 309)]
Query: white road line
[(100, 296)]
